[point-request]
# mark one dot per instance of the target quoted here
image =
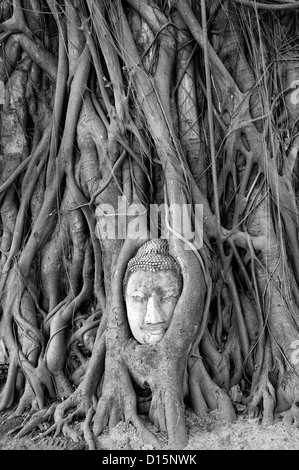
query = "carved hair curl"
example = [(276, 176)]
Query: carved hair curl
[(152, 256)]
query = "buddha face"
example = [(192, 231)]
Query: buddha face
[(151, 298)]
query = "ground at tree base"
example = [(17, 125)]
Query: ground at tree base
[(245, 434)]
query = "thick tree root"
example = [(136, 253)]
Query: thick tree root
[(167, 413), (206, 395), (88, 436), (118, 403), (28, 400), (290, 418), (264, 394)]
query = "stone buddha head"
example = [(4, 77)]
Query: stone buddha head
[(152, 287)]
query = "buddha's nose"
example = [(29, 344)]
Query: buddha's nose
[(153, 311)]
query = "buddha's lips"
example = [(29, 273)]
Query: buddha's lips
[(154, 330)]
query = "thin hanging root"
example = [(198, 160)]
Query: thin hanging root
[(112, 175), (39, 417), (29, 330)]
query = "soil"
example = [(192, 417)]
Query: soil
[(208, 434)]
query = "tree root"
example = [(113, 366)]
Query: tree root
[(37, 377), (39, 417), (118, 403), (265, 393), (82, 405), (8, 392), (27, 400), (206, 395), (86, 427), (167, 413), (290, 418)]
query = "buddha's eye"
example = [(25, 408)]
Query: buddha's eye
[(168, 297), (139, 297)]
